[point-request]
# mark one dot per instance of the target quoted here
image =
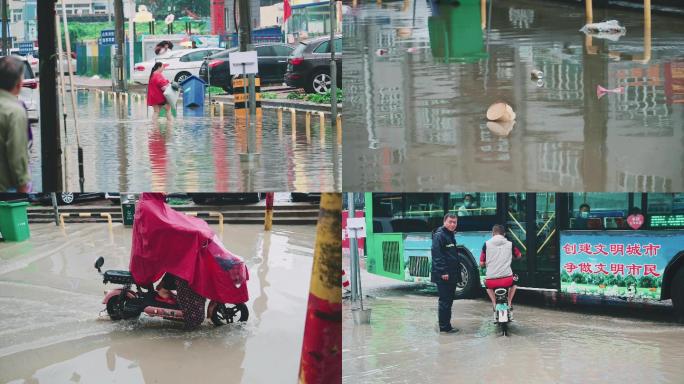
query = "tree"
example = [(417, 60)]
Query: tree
[(565, 277), (578, 278), (160, 8)]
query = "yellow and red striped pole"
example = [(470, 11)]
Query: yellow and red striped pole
[(268, 220), (321, 360)]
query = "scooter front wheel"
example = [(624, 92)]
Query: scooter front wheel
[(115, 309), (229, 313)]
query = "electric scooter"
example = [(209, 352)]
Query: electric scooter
[(502, 312), (126, 303)]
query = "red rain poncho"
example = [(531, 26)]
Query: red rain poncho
[(165, 240)]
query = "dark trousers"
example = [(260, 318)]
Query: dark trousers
[(446, 292)]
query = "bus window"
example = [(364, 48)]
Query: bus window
[(472, 204), (599, 210), (665, 210), (412, 212), (424, 212)]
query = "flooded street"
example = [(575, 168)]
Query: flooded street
[(124, 150), (52, 330), (420, 77), (402, 345)]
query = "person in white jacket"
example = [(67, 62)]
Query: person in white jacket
[(497, 254)]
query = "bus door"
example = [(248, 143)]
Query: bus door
[(515, 211), (531, 226)]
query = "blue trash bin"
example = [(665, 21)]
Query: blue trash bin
[(193, 92)]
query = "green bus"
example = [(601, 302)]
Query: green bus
[(624, 245)]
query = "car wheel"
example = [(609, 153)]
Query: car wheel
[(320, 82), (181, 76), (66, 197)]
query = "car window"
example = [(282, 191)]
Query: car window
[(299, 51), (322, 48), (223, 54), (194, 56), (338, 45), (282, 50), (265, 51), (28, 73)]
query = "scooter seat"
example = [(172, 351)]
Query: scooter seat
[(118, 277)]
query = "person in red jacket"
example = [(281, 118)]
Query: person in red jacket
[(155, 91)]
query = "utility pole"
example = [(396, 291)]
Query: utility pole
[(5, 29), (245, 45), (120, 40), (333, 64), (51, 153)]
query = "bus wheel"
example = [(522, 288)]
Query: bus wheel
[(678, 294), (470, 279)]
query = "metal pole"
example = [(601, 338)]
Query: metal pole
[(120, 41), (55, 208), (62, 101), (72, 90), (333, 64), (353, 251), (51, 156), (131, 36), (5, 29), (246, 44)]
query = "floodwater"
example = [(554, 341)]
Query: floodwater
[(51, 328), (420, 76), (125, 150), (402, 345)]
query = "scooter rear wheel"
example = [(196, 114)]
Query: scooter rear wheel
[(504, 329), (229, 313)]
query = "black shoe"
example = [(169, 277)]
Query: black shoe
[(450, 330)]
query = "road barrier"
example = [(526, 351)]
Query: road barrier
[(85, 214)]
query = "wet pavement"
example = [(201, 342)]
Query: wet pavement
[(546, 345), (419, 78), (125, 150), (51, 329)]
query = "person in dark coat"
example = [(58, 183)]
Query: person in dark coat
[(446, 269)]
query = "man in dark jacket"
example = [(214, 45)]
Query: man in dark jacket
[(446, 269)]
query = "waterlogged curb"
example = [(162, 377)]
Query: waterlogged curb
[(265, 103), (286, 103)]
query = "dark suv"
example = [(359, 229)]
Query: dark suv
[(309, 65), (272, 59)]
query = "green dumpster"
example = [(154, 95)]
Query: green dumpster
[(14, 221), (128, 213)]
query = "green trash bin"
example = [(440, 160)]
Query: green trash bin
[(128, 213), (14, 221)]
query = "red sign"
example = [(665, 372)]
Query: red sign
[(635, 221), (345, 234)]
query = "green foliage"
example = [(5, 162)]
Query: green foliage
[(215, 90), (160, 8), (79, 31), (295, 96), (630, 280), (578, 278), (648, 282), (269, 95), (565, 277)]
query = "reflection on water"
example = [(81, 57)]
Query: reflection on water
[(125, 150), (420, 77), (545, 346)]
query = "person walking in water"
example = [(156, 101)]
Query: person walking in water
[(155, 91), (14, 135)]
